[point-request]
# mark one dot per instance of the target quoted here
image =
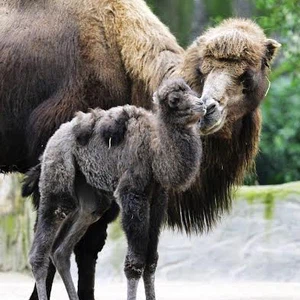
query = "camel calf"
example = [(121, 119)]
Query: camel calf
[(127, 152)]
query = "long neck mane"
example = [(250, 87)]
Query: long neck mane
[(223, 167)]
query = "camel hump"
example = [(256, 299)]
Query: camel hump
[(84, 124), (114, 126)]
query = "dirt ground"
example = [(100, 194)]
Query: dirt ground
[(18, 287)]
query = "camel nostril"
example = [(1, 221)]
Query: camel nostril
[(211, 108), (200, 103)]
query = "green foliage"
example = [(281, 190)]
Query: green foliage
[(281, 17), (218, 10), (279, 160), (176, 14), (280, 142)]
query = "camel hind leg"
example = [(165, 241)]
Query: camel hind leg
[(90, 209), (47, 225), (49, 281)]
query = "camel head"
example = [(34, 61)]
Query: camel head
[(178, 103), (228, 65)]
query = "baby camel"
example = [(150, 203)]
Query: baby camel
[(85, 157)]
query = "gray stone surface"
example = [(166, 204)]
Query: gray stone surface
[(258, 241), (245, 246)]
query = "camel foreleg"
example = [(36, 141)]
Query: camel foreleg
[(135, 221), (157, 216)]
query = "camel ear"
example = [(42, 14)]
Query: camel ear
[(272, 47)]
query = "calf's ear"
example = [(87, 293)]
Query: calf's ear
[(155, 99)]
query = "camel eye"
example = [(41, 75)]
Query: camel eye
[(200, 75), (247, 81), (264, 63), (173, 102)]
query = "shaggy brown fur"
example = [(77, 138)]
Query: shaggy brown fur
[(61, 56), (235, 44)]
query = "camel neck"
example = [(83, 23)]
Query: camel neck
[(177, 155)]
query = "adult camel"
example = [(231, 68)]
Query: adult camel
[(61, 56)]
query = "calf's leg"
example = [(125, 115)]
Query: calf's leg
[(47, 225), (135, 222), (49, 281), (90, 209), (157, 215), (86, 252)]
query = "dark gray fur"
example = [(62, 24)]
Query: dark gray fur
[(157, 152)]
